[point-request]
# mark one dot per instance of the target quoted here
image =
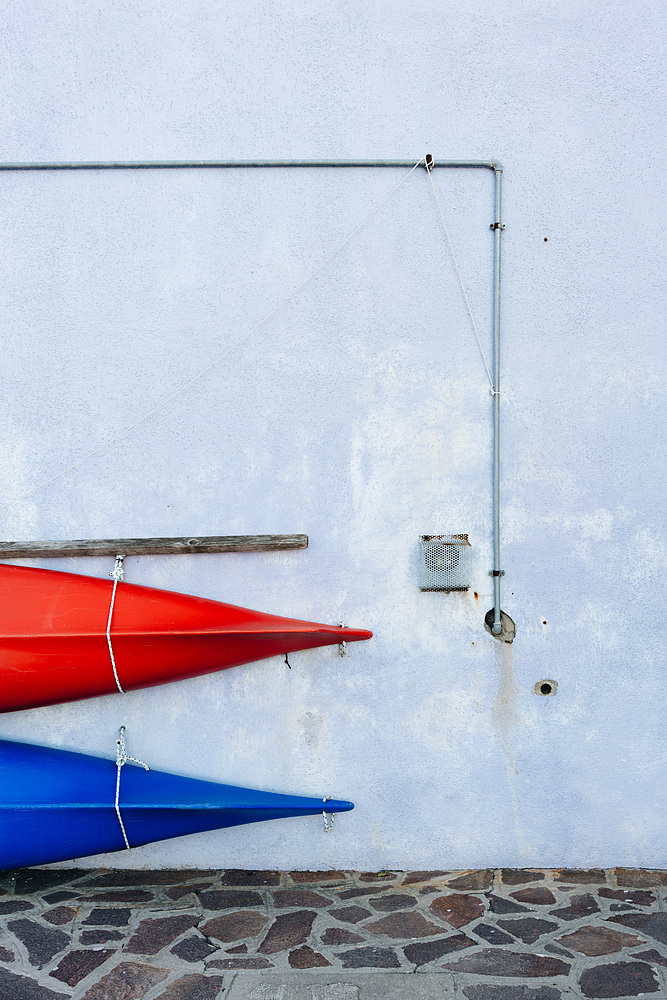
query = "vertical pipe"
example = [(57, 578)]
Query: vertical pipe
[(497, 230)]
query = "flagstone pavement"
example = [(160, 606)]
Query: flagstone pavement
[(504, 934)]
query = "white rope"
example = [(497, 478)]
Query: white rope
[(122, 759), (465, 296), (328, 824), (118, 574), (187, 385)]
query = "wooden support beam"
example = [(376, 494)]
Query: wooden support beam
[(151, 546)]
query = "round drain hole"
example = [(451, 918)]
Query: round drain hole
[(545, 687)]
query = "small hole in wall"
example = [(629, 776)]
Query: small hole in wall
[(546, 239), (476, 595), (543, 621), (545, 687)]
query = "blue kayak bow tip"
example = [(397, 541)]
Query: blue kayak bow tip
[(337, 806)]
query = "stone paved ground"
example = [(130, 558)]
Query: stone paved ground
[(203, 935)]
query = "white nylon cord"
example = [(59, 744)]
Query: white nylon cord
[(187, 385), (117, 575), (122, 759), (465, 296)]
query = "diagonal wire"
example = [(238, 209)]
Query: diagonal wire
[(465, 295), (217, 360)]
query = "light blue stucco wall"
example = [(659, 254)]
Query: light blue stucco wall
[(360, 413)]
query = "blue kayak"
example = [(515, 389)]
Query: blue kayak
[(56, 805)]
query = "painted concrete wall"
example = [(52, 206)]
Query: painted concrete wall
[(360, 413)]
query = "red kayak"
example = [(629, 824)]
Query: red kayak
[(54, 645)]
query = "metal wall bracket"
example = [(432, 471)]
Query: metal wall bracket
[(497, 225), (342, 646), (496, 572)]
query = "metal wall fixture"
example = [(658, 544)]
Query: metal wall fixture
[(497, 226), (446, 562)]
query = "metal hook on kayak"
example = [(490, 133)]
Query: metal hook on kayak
[(288, 662), (342, 646)]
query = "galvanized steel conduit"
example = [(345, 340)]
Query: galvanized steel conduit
[(496, 225)]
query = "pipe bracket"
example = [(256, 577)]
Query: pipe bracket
[(497, 225), (496, 572)]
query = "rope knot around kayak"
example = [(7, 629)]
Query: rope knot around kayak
[(122, 758), (117, 574)]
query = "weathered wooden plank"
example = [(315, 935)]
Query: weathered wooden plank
[(151, 546)]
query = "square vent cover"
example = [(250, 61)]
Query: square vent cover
[(445, 562)]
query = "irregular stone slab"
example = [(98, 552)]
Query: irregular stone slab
[(620, 979), (194, 986), (178, 891), (498, 904), (350, 914), (128, 981), (583, 876), (42, 943), (13, 987), (228, 899), (109, 917), (529, 929), (6, 955), (60, 915), (555, 949), (484, 992), (60, 895), (498, 962), (593, 941), (653, 924), (357, 892), (76, 965), (232, 926), (193, 949), (413, 877), (306, 958), (518, 876), (37, 879), (580, 906), (369, 958), (287, 930), (404, 925), (457, 910), (312, 878), (119, 896), (152, 935), (394, 901), (129, 877), (493, 934), (100, 936), (652, 956), (236, 876), (241, 962), (14, 906), (639, 878), (377, 876), (299, 897), (339, 935), (482, 879), (422, 952), (640, 896), (538, 894)]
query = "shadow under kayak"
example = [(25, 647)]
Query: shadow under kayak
[(54, 646), (56, 805)]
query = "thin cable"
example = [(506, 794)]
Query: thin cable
[(465, 296), (187, 385)]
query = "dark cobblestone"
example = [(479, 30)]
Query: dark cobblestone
[(482, 879), (369, 958), (42, 943), (178, 891), (594, 941), (422, 952), (152, 935), (37, 879), (14, 906), (529, 929), (76, 965), (583, 876), (377, 876), (640, 878), (193, 949), (653, 924), (109, 917), (60, 896), (312, 878), (251, 962), (639, 896), (493, 935), (621, 979), (580, 906), (306, 958), (193, 987), (357, 892), (405, 925), (457, 910), (350, 914), (499, 962), (417, 877), (299, 897), (119, 896), (60, 915), (287, 930), (228, 899), (235, 876), (15, 987), (128, 981), (129, 877), (539, 895), (100, 936), (519, 876), (652, 956), (240, 949), (6, 955), (339, 935), (233, 926), (394, 901), (498, 904)]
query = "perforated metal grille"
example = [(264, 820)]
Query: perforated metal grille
[(445, 562)]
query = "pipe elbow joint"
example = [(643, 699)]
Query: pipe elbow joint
[(497, 628)]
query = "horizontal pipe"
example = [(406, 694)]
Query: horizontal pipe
[(189, 164)]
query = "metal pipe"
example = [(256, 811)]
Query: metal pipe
[(497, 572), (188, 164)]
